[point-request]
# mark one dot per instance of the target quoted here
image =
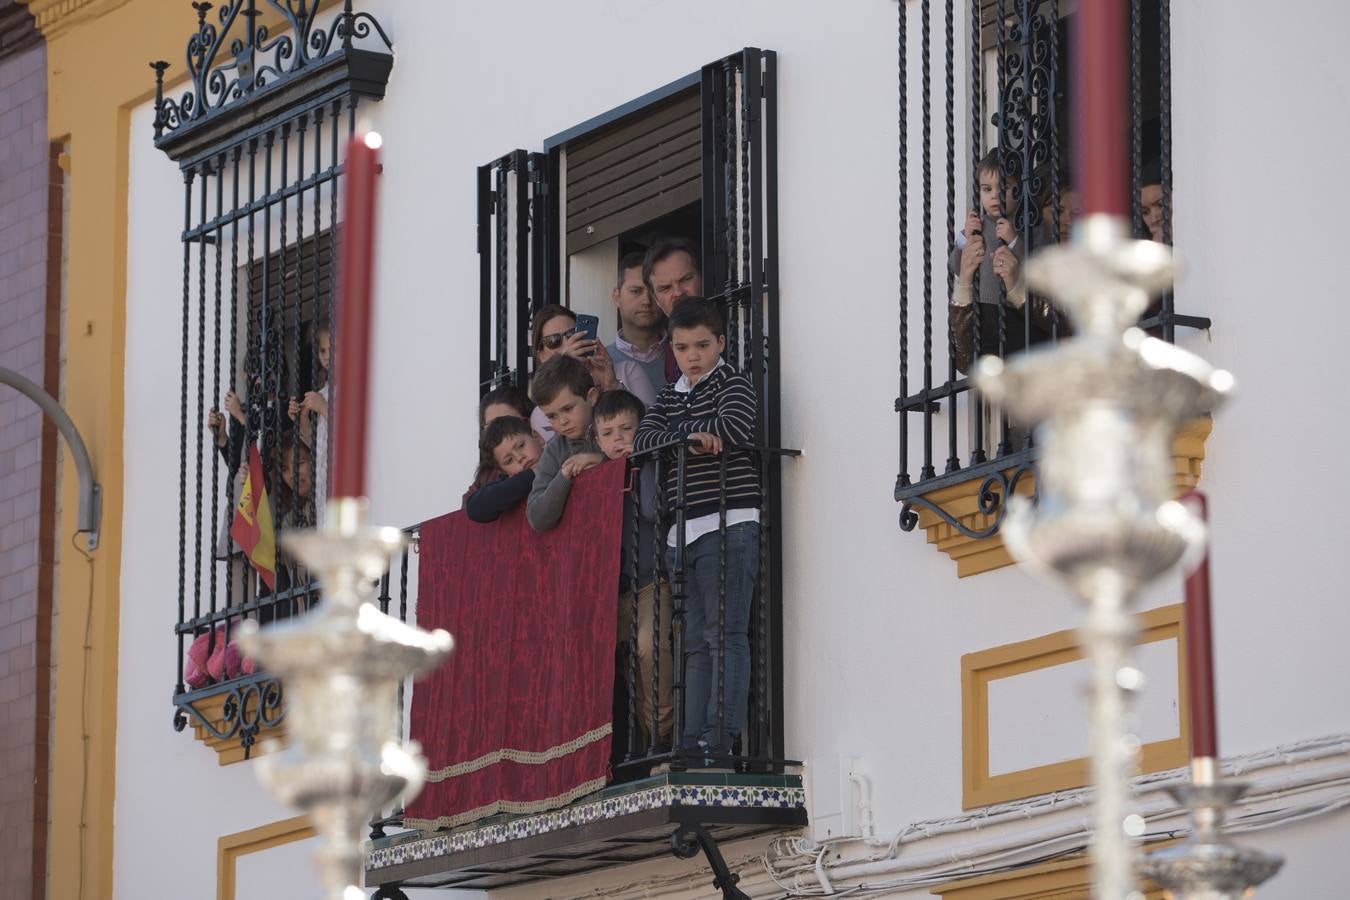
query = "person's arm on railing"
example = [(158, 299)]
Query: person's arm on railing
[(491, 500), (548, 496), (655, 428), (737, 410)]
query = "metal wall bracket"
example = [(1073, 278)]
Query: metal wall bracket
[(685, 842), (90, 509)]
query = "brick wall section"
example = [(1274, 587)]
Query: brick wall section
[(27, 449)]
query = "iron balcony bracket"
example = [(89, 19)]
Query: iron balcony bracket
[(685, 842)]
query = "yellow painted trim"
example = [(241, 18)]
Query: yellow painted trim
[(231, 750), (91, 92), (1068, 879), (232, 846), (978, 787), (54, 16), (974, 556)]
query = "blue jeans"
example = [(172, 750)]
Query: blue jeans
[(703, 638)]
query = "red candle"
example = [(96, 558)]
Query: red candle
[(1200, 651), (351, 357), (1100, 107)]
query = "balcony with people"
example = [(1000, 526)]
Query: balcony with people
[(613, 577)]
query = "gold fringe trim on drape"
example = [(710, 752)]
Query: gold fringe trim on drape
[(507, 806), (527, 757)]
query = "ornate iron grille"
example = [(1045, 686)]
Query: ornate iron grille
[(258, 135), (1016, 51), (519, 228)]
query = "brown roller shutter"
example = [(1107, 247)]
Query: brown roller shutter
[(637, 170)]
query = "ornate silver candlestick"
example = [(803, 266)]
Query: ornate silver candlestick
[(1108, 402), (1207, 866), (341, 666)]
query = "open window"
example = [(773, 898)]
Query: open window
[(1008, 86)]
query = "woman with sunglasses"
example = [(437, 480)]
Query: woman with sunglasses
[(554, 333)]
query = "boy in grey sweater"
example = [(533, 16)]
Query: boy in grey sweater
[(564, 390)]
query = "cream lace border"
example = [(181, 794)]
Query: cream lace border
[(507, 806), (527, 757)]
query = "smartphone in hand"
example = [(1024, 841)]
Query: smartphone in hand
[(589, 326)]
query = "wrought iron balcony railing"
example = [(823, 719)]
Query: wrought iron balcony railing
[(1016, 52)]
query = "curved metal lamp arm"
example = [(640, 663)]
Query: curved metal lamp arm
[(91, 506)]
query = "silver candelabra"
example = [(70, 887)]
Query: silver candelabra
[(1107, 403), (341, 666), (1208, 866)]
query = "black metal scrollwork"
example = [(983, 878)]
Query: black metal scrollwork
[(1028, 94), (229, 60), (251, 706), (991, 501)]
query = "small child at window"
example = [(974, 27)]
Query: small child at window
[(510, 448), (982, 275), (507, 400)]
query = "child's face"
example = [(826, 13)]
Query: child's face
[(517, 453), (569, 414), (697, 351), (615, 434), (323, 346), (305, 483), (1150, 204), (989, 202), (1068, 211)]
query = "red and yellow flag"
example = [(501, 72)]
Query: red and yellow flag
[(252, 526)]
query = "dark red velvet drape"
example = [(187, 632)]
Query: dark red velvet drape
[(519, 719)]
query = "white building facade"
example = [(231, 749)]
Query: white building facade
[(954, 701)]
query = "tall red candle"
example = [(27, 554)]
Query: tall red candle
[(1100, 107), (351, 358), (1200, 651)]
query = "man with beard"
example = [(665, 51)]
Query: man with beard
[(671, 273)]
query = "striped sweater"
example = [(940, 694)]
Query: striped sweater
[(724, 404)]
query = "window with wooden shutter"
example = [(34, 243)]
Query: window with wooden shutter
[(643, 167)]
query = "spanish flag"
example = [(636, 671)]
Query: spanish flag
[(252, 526)]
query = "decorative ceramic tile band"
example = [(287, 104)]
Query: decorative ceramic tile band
[(584, 813)]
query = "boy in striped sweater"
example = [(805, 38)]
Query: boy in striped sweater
[(713, 407)]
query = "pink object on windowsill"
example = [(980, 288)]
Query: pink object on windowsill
[(211, 660)]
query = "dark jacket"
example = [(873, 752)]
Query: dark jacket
[(491, 500)]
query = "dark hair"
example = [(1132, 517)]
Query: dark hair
[(286, 499), (1151, 173), (617, 402), (496, 431), (634, 260), (542, 316), (695, 312), (558, 374), (990, 164), (663, 249), (499, 430), (508, 394)]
